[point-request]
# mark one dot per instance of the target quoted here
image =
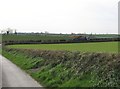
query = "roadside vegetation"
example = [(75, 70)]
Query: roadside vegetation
[(68, 68)]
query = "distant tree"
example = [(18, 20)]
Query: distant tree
[(15, 32), (46, 32), (72, 33), (8, 32)]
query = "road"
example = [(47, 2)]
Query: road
[(0, 72), (12, 76)]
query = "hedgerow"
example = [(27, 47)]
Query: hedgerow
[(68, 68)]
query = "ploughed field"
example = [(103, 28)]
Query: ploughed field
[(107, 47)]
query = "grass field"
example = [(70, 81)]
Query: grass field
[(36, 37), (111, 47), (33, 37)]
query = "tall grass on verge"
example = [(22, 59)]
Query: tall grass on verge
[(67, 68)]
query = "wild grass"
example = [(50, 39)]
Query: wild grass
[(68, 69)]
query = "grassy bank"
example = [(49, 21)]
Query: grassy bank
[(110, 47), (68, 69)]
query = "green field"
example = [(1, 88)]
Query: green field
[(44, 37), (34, 37), (111, 47)]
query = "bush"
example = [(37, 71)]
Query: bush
[(68, 69)]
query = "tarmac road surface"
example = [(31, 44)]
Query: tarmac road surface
[(12, 76), (0, 72)]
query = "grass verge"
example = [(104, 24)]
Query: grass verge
[(68, 69)]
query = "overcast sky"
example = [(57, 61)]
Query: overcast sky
[(60, 16)]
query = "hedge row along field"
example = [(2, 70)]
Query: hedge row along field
[(109, 47), (68, 68)]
